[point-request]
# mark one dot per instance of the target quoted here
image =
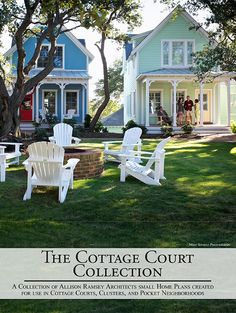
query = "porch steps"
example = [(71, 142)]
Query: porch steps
[(27, 127), (206, 129)]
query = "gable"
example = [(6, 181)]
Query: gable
[(76, 56), (174, 29)]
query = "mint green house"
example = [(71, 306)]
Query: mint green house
[(157, 71)]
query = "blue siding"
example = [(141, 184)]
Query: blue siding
[(74, 58)]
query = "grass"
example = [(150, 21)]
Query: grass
[(196, 204)]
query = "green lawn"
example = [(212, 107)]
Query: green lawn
[(195, 205)]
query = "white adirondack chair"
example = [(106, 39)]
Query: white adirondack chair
[(45, 168), (130, 141), (152, 172), (70, 114), (11, 157), (42, 115), (62, 135), (3, 166)]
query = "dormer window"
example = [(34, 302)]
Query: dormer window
[(177, 53), (43, 57)]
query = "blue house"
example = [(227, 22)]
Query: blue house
[(65, 88)]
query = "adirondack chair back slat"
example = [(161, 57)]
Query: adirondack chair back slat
[(131, 137), (46, 151), (47, 172)]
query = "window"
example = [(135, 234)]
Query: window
[(57, 60), (166, 50), (190, 52), (154, 101), (72, 101), (49, 101), (205, 101), (177, 53)]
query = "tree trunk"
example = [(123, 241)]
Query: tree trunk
[(106, 85)]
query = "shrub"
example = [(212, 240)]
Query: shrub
[(51, 119), (233, 127), (71, 121), (40, 134), (87, 120), (167, 131), (100, 128), (131, 124), (187, 128)]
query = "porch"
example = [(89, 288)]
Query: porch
[(59, 92), (217, 98)]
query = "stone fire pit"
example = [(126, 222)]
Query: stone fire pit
[(90, 164)]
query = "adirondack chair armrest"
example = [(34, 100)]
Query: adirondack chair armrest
[(124, 157), (76, 140), (52, 139), (71, 163), (131, 145), (112, 142), (16, 144), (2, 149), (107, 143)]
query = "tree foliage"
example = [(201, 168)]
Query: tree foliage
[(115, 82), (221, 51)]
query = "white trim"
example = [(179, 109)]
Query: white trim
[(64, 107), (162, 24), (170, 41), (56, 97)]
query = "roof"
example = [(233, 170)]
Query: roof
[(115, 119), (170, 71), (80, 43), (149, 35), (60, 74), (163, 72)]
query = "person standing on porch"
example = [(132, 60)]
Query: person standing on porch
[(188, 106), (197, 111), (180, 111)]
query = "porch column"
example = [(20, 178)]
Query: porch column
[(201, 103), (37, 104), (142, 105), (147, 103), (83, 103), (228, 101), (174, 84), (62, 86), (87, 98)]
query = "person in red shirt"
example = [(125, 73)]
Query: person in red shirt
[(188, 106)]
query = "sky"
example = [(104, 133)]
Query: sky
[(152, 13)]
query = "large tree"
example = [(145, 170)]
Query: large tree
[(112, 14), (221, 21)]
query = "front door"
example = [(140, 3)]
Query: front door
[(207, 107), (26, 110)]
